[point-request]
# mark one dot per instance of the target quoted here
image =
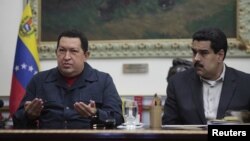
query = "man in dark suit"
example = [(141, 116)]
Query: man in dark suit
[(210, 88), (72, 95)]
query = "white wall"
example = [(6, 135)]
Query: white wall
[(145, 84), (127, 84), (132, 84), (10, 15)]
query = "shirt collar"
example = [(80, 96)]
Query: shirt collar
[(220, 79)]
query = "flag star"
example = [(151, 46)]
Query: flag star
[(16, 68), (31, 68), (35, 72), (24, 66)]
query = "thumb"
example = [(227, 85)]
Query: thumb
[(92, 104)]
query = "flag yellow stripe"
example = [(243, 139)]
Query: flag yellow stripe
[(30, 40), (31, 45)]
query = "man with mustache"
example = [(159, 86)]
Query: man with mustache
[(210, 88), (70, 95)]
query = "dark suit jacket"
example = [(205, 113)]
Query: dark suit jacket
[(184, 102), (59, 99)]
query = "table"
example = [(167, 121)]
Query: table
[(101, 134)]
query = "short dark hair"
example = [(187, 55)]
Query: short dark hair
[(215, 35), (75, 34)]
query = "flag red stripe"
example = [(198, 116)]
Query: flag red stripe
[(17, 93)]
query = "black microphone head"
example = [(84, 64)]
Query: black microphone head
[(1, 103)]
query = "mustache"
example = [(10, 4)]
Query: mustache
[(197, 64)]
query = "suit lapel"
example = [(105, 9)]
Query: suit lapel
[(197, 97), (227, 92)]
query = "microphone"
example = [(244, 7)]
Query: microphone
[(1, 103), (1, 116)]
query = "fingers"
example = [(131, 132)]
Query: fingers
[(93, 107), (84, 109), (92, 104), (33, 108), (79, 107)]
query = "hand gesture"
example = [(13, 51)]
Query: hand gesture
[(33, 108), (86, 110)]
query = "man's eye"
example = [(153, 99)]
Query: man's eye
[(62, 50), (74, 51), (194, 51), (204, 52)]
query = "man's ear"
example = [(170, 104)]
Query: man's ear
[(221, 55), (87, 54)]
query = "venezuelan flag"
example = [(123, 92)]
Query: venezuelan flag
[(26, 63)]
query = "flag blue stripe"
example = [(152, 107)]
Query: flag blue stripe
[(24, 57)]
